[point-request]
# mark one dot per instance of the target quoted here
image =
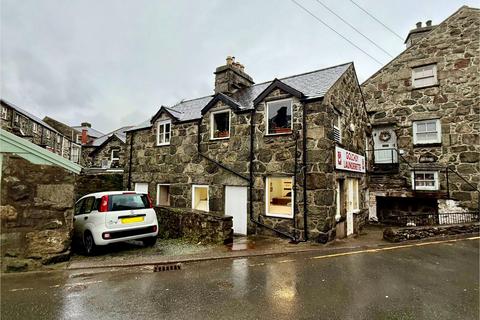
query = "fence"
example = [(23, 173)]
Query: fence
[(431, 219)]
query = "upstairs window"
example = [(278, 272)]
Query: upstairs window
[(4, 113), (163, 133), (279, 117), (34, 127), (75, 156), (47, 134), (337, 129), (58, 138), (427, 131), (220, 125), (425, 180), (17, 118), (79, 139), (115, 156), (424, 76)]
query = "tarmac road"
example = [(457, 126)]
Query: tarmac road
[(428, 281)]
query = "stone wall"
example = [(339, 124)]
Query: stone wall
[(454, 47), (86, 183), (36, 214), (417, 233), (104, 152), (181, 164), (196, 226)]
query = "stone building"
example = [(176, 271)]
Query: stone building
[(24, 124), (68, 132), (107, 151), (284, 156), (87, 133), (424, 109)]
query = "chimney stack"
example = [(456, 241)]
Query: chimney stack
[(84, 135), (418, 33), (231, 77)]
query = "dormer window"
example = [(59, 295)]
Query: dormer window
[(280, 117), (424, 76), (220, 125), (164, 132)]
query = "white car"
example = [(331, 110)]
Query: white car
[(107, 217)]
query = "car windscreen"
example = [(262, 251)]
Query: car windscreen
[(119, 202)]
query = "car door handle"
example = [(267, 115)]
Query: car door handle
[(86, 218)]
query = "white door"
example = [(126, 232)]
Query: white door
[(236, 206), (141, 187), (385, 145)]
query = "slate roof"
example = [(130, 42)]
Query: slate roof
[(119, 133), (314, 84), (90, 131), (28, 115)]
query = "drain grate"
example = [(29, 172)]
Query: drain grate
[(167, 267)]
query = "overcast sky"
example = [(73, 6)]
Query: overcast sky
[(114, 63)]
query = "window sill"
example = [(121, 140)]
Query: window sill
[(222, 138), (163, 144), (427, 144), (278, 134), (278, 216), (425, 189), (425, 87)]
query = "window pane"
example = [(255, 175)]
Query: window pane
[(431, 126), (279, 201), (431, 136), (221, 125), (421, 127), (279, 117)]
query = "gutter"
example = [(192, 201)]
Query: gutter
[(129, 183)]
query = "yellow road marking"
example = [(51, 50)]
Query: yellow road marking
[(391, 248)]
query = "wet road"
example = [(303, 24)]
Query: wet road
[(437, 281)]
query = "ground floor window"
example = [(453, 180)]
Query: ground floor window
[(163, 195), (279, 197), (425, 180), (200, 197)]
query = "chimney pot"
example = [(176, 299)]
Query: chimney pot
[(429, 23), (86, 124), (229, 60), (419, 24)]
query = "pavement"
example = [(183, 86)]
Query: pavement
[(179, 251), (426, 280)]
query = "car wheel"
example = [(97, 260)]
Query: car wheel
[(89, 244), (149, 242)]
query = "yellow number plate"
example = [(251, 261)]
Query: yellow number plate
[(132, 220)]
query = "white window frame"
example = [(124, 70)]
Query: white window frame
[(159, 185), (79, 139), (212, 122), (4, 113), (75, 154), (435, 177), (438, 127), (267, 104), (422, 73), (163, 123), (58, 138), (195, 186), (267, 197), (34, 127), (16, 119), (337, 126), (47, 133), (111, 154)]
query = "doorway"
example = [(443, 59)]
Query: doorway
[(385, 145), (236, 206)]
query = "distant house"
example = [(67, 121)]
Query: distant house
[(26, 125), (106, 152), (86, 133), (68, 132)]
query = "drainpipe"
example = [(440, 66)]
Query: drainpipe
[(129, 183), (304, 160)]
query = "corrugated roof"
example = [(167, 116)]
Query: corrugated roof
[(28, 115), (311, 84)]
